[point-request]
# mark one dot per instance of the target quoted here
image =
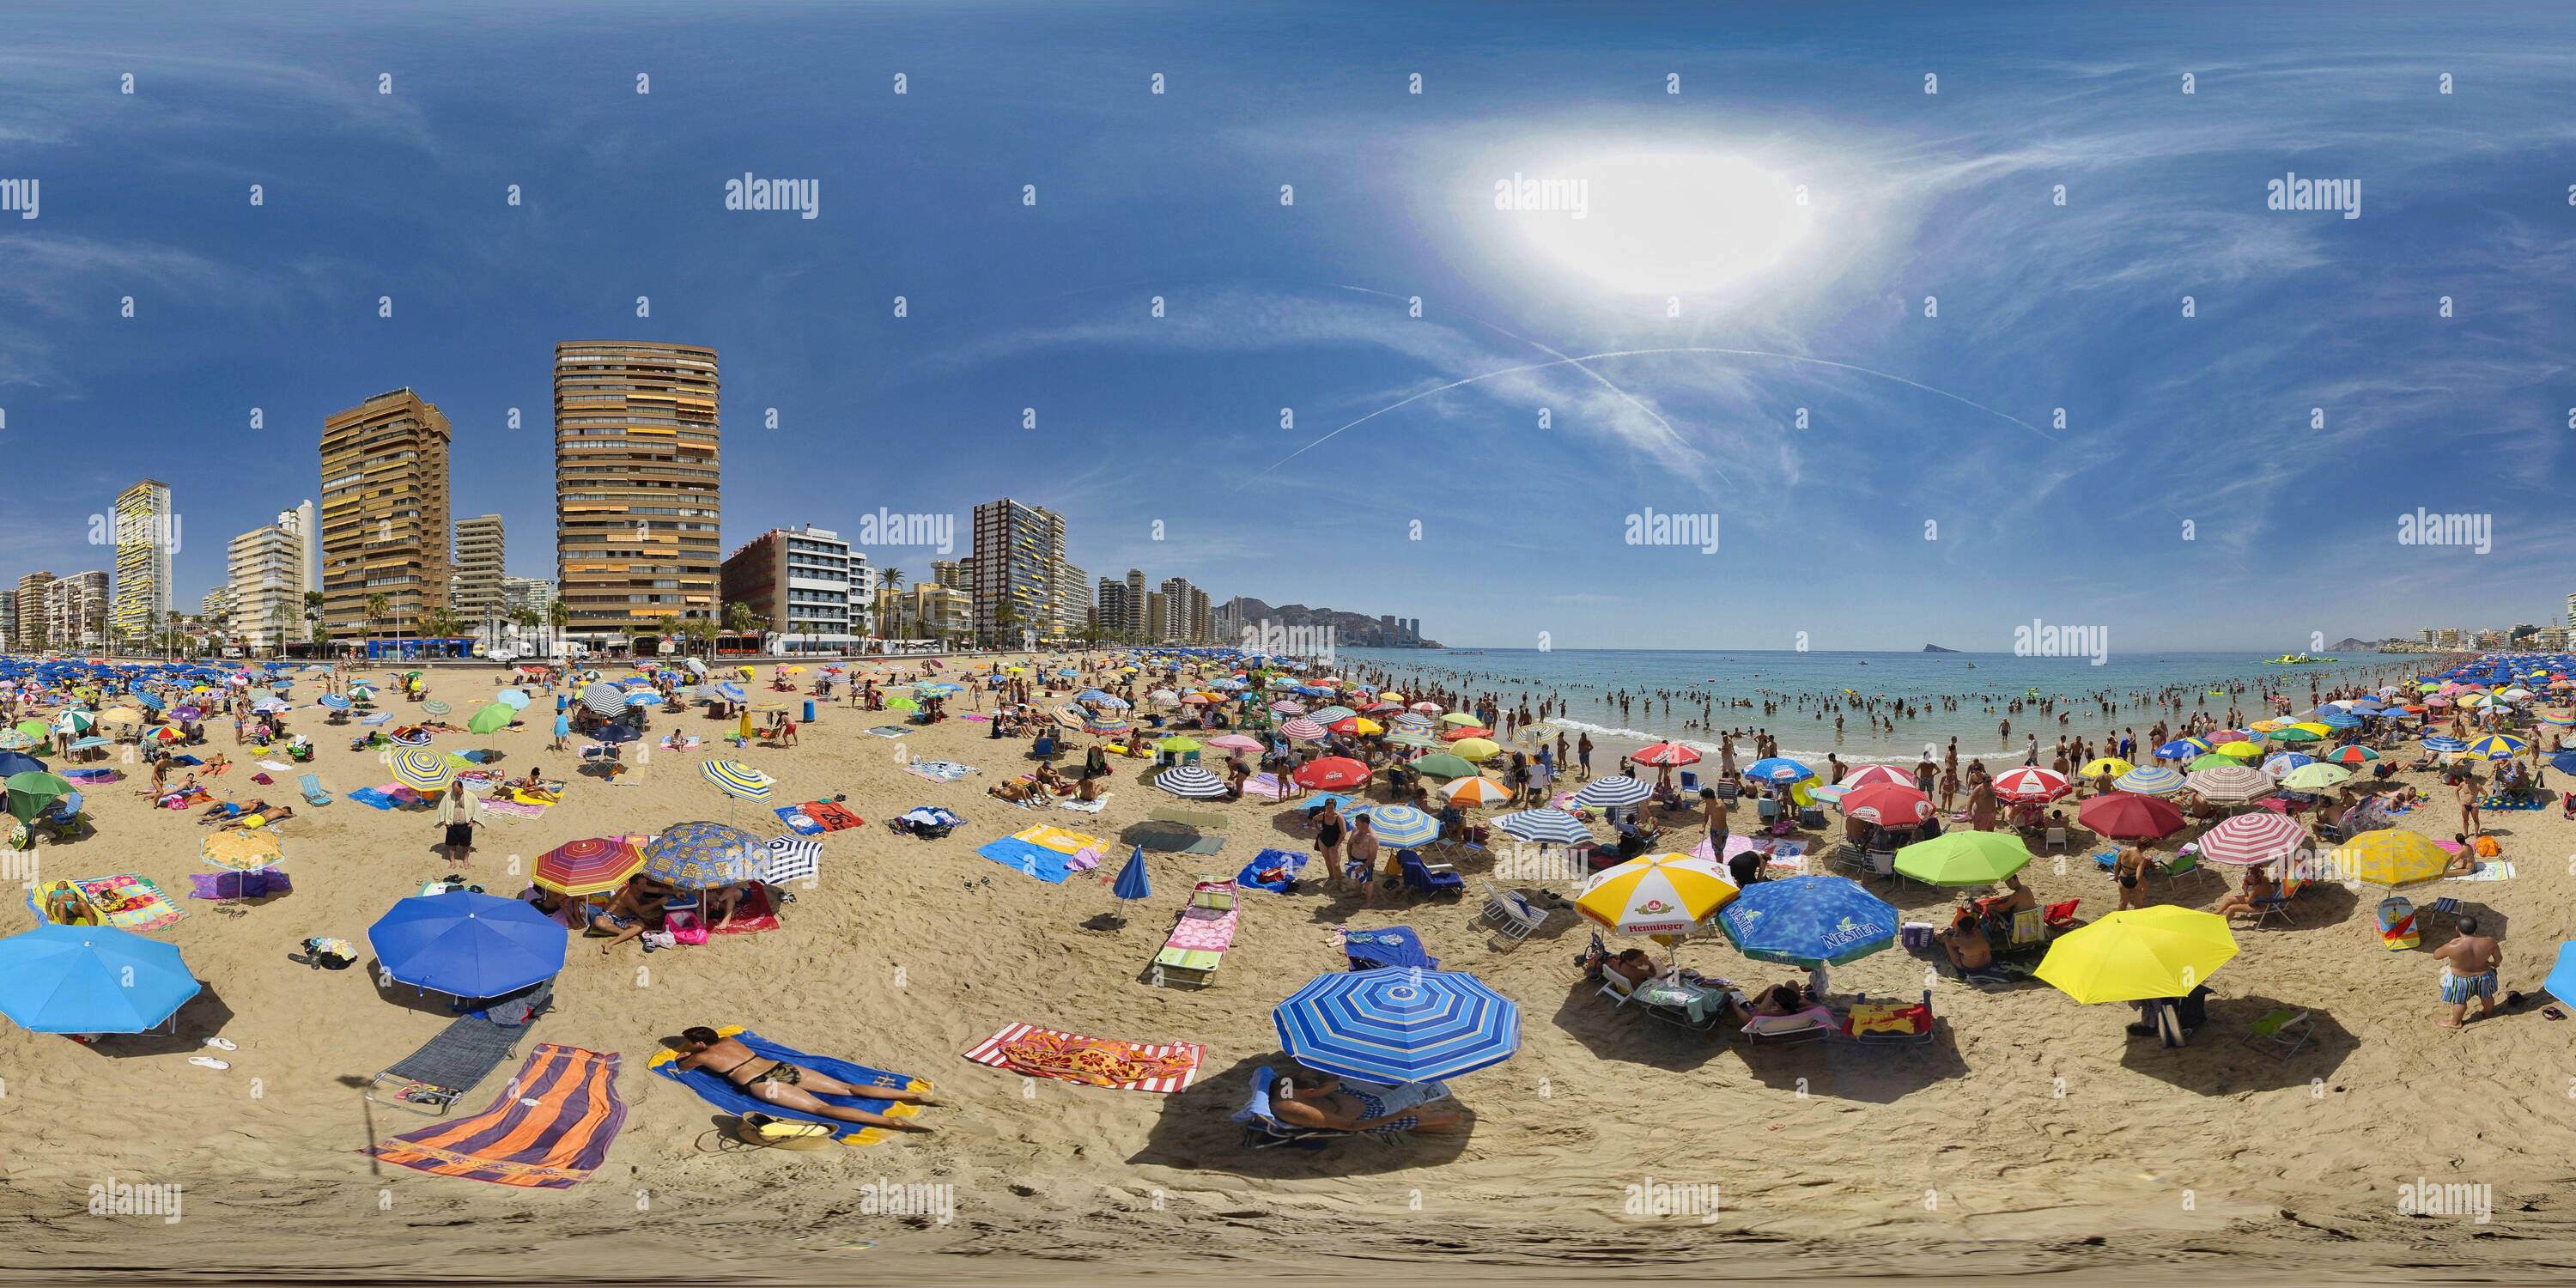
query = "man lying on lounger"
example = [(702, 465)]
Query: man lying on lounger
[(1322, 1101), (789, 1087)]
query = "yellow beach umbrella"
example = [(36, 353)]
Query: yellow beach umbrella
[(1663, 894), (242, 851), (2240, 749), (1390, 696), (2311, 726), (2100, 765), (1364, 726), (1476, 748), (120, 715), (2387, 857), (2139, 953)]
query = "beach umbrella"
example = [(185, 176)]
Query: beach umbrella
[(1777, 769), (1964, 858), (242, 850), (2297, 734), (491, 718), (1475, 748), (1287, 709), (1476, 791), (2443, 745), (1612, 789), (421, 771), (32, 792), (1235, 742), (2562, 976), (92, 741), (2354, 755), (2388, 857), (14, 763), (120, 715), (604, 699), (1190, 781), (2138, 953), (409, 737), (1808, 921), (1444, 765), (618, 733), (13, 740), (1666, 753), (2213, 760), (1402, 825), (1132, 882), (2101, 765), (1464, 732), (1303, 730), (1179, 743), (734, 778), (90, 979), (700, 855), (1887, 804), (2029, 784), (1330, 716), (509, 698), (2254, 837), (2496, 746), (791, 858), (2280, 763), (34, 730), (1424, 709), (1663, 894), (436, 709), (2180, 748), (1411, 723), (78, 722), (1397, 1025), (2129, 817), (2238, 750), (334, 702), (1331, 773), (2228, 783), (2316, 778), (1873, 776), (1544, 826), (594, 865), (466, 944)]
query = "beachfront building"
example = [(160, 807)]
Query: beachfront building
[(1072, 601), (1132, 625), (638, 488), (1183, 616), (475, 585), (144, 533), (1109, 612), (955, 574), (264, 579), (799, 586), (1157, 612), (8, 617), (535, 594), (304, 524), (384, 516), (215, 608), (924, 611), (32, 627), (1018, 551), (76, 611)]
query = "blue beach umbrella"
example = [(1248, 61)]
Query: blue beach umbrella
[(2182, 749), (2150, 780), (1778, 769), (2562, 977), (1132, 882), (2444, 745), (335, 702), (14, 763), (700, 855), (90, 979), (467, 944), (1397, 1025), (1808, 921)]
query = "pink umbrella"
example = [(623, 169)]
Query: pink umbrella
[(2029, 784), (1875, 775), (1303, 730), (1235, 742), (2243, 840), (1286, 709)]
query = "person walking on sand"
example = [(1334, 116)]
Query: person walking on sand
[(2466, 788), (458, 811), (1981, 806), (2469, 964)]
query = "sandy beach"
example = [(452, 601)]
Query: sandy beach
[(2033, 1134)]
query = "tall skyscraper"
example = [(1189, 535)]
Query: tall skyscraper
[(1134, 624), (1072, 599), (478, 569), (1018, 550), (638, 486), (1156, 608), (9, 616), (264, 575), (145, 533), (384, 515), (1109, 613), (301, 524), (35, 627)]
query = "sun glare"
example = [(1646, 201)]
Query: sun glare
[(1658, 221)]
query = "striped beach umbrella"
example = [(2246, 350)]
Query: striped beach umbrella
[(1875, 775), (1287, 709), (1329, 715), (1397, 1025), (593, 865), (1190, 781), (2353, 755), (2256, 836), (1545, 826), (2029, 784), (734, 778), (1613, 789), (699, 855), (2229, 783), (422, 771), (1663, 894), (334, 702), (2442, 745), (2496, 746), (791, 858), (436, 708), (604, 699), (1402, 825), (1303, 730)]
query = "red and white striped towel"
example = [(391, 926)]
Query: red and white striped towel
[(989, 1053)]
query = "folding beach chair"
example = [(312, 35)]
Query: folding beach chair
[(432, 1079), (2281, 1033), (1615, 986), (1423, 878), (1196, 948), (1511, 916), (1262, 1128), (311, 786), (2277, 904)]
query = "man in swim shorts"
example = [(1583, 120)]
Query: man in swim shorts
[(2469, 964)]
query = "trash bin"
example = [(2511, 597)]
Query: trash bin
[(809, 711)]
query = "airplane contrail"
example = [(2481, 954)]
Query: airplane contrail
[(1579, 360)]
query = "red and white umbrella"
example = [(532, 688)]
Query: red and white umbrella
[(2257, 837), (1667, 753), (1303, 730), (2029, 784), (1332, 773), (1887, 805), (1875, 775), (1286, 709)]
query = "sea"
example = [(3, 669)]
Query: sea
[(1984, 686)]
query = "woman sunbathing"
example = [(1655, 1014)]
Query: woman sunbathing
[(1015, 791), (785, 1085), (1318, 1100)]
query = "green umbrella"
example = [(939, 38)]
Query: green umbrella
[(1177, 743), (1965, 858), (32, 791), (2214, 761), (36, 729), (2292, 735), (2318, 777), (491, 719), (1444, 765), (902, 704)]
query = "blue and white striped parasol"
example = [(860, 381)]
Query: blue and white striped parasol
[(1397, 1025)]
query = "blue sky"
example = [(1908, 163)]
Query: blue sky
[(1729, 304)]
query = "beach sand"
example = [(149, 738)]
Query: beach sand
[(2033, 1136)]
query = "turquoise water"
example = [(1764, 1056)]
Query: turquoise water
[(1983, 685)]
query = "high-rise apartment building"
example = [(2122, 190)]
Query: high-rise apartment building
[(215, 608), (1134, 623), (1018, 550), (384, 515), (77, 611), (535, 593), (955, 574), (145, 534), (8, 616), (303, 524), (798, 582), (1183, 618), (264, 579), (1110, 613), (34, 624), (1157, 606), (638, 487), (1072, 599), (477, 585)]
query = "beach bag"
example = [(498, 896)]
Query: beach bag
[(1916, 935), (324, 953), (684, 927), (2397, 931)]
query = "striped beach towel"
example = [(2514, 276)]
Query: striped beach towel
[(514, 809), (550, 1128), (1090, 1061)]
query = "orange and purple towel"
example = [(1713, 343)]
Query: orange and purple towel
[(550, 1128)]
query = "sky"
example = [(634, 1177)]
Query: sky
[(1778, 346)]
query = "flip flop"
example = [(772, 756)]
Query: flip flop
[(223, 1044), (207, 1062)]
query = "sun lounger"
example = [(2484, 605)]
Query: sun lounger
[(1511, 916), (2281, 1033), (1197, 945), (1657, 1002), (433, 1078), (1422, 877)]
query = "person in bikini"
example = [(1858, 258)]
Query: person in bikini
[(786, 1086), (1318, 1100)]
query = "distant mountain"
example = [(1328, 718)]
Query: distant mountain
[(1348, 628), (1935, 648), (2350, 645)]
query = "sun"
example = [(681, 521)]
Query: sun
[(1658, 221)]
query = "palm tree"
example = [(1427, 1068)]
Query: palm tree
[(278, 617), (175, 621), (524, 618), (379, 609), (558, 616), (738, 620)]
